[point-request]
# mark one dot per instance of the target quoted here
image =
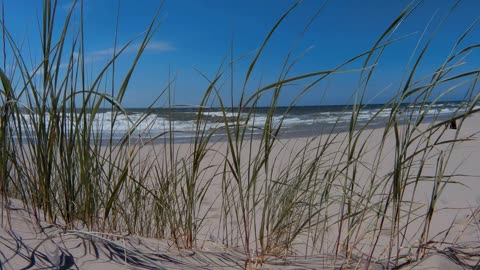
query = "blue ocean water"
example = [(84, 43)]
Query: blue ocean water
[(182, 123)]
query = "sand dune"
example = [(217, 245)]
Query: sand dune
[(454, 231)]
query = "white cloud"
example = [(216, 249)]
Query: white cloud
[(160, 46), (105, 54), (153, 46)]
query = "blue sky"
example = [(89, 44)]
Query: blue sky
[(197, 35)]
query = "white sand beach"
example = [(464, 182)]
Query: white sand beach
[(453, 236)]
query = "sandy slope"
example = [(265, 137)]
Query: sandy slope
[(25, 245)]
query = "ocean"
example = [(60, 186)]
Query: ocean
[(298, 121)]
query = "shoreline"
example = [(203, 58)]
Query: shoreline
[(313, 125), (310, 131)]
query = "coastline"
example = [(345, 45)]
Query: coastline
[(299, 132)]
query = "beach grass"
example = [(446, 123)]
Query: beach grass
[(341, 193)]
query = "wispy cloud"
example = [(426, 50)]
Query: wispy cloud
[(153, 46), (105, 54)]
